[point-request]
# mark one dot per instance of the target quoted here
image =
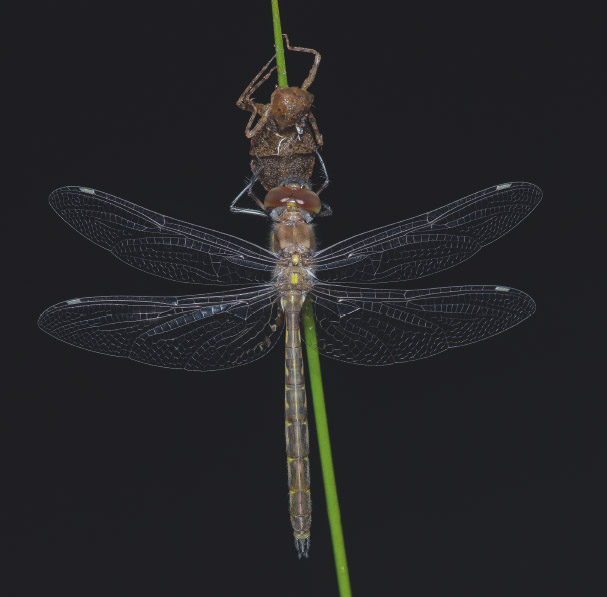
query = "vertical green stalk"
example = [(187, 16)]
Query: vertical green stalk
[(280, 52), (324, 444), (318, 396)]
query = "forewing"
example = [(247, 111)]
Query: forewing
[(161, 245), (431, 242), (199, 333), (383, 327)]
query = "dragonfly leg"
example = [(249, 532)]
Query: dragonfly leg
[(249, 191), (325, 174), (311, 76), (325, 210)]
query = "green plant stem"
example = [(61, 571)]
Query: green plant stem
[(326, 460), (318, 396), (280, 52)]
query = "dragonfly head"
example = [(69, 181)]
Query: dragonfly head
[(293, 195)]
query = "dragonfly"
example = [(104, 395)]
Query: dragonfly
[(359, 324)]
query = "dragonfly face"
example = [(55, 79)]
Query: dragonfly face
[(355, 324), (293, 195)]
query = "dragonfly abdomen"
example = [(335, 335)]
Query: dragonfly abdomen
[(296, 427)]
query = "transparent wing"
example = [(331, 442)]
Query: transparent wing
[(161, 245), (431, 242), (199, 333), (383, 327)]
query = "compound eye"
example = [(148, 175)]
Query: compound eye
[(307, 200), (290, 197)]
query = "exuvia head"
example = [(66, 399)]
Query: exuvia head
[(288, 105), (293, 194)]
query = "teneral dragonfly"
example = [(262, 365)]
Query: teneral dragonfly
[(220, 330)]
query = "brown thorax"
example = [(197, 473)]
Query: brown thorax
[(292, 232)]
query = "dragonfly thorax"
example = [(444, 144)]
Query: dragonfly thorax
[(292, 232), (293, 241), (298, 278)]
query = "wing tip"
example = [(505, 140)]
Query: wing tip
[(55, 194), (535, 189)]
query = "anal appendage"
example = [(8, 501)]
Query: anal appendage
[(303, 547)]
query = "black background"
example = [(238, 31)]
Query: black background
[(477, 471)]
